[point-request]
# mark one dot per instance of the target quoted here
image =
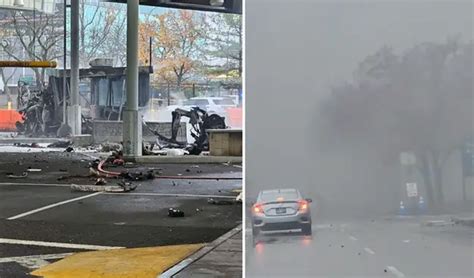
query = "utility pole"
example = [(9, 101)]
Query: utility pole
[(74, 111), (132, 124)]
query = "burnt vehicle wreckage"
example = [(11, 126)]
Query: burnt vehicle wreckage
[(42, 109), (38, 109), (200, 122)]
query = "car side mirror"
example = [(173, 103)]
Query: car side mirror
[(309, 200)]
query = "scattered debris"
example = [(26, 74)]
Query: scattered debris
[(98, 188), (466, 221), (239, 198), (214, 201), (24, 175), (60, 144), (32, 145), (176, 152), (118, 162), (110, 147), (127, 186), (139, 176), (172, 212), (100, 181)]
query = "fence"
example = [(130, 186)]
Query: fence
[(165, 94)]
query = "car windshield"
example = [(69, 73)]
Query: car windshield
[(276, 195), (224, 101)]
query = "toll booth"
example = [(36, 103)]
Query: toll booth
[(102, 90)]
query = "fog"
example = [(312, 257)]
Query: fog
[(295, 52)]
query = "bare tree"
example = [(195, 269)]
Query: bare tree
[(39, 34), (5, 79), (102, 31), (420, 101), (225, 43)]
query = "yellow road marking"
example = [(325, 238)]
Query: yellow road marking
[(125, 263)]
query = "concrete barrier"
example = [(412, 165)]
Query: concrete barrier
[(8, 119), (225, 142), (112, 131), (186, 159)]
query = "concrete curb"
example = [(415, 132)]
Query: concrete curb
[(28, 140), (186, 159), (200, 253), (77, 140)]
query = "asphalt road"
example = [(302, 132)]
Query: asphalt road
[(365, 248), (37, 218)]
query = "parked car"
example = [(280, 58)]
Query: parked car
[(213, 105)]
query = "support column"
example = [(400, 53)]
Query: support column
[(132, 122), (74, 111)]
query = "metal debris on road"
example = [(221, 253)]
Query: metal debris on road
[(12, 176), (172, 212), (214, 201), (60, 144), (100, 181), (98, 188)]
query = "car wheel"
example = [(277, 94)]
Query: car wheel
[(307, 230)]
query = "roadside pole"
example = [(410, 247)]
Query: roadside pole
[(132, 125), (74, 111)]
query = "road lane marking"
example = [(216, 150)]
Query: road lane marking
[(35, 261), (395, 271), (368, 250), (353, 238), (173, 195), (52, 206), (57, 244)]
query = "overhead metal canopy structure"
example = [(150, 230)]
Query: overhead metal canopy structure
[(221, 6)]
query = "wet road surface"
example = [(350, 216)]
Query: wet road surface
[(365, 248)]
